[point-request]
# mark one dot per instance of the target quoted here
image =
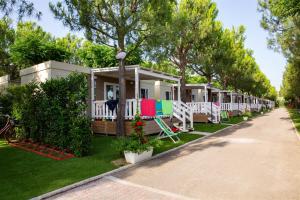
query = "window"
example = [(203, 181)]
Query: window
[(193, 98), (168, 95), (111, 91), (144, 93)]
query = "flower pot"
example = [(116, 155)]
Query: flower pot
[(262, 113), (132, 157), (245, 118)]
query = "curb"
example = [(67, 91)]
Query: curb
[(95, 178), (294, 126)]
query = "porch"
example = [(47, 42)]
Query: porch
[(141, 83)]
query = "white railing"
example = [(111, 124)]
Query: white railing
[(184, 113), (207, 108), (101, 110), (226, 106), (180, 110), (198, 107)]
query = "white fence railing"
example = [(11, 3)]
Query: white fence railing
[(101, 110), (226, 106), (184, 113), (180, 110), (207, 108)]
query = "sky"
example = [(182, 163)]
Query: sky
[(231, 13)]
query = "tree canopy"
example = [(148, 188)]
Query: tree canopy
[(282, 19)]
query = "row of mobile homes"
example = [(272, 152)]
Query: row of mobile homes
[(148, 92)]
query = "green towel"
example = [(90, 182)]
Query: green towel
[(167, 107)]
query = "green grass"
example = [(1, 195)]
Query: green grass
[(234, 120), (167, 144), (208, 127), (25, 175), (295, 116)]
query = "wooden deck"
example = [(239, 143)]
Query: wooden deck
[(109, 127)]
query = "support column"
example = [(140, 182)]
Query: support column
[(137, 87), (92, 94), (205, 94), (231, 101), (178, 92), (173, 92)]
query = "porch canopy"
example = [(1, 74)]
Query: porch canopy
[(203, 86), (134, 73)]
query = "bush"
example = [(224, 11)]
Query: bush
[(53, 112), (136, 142)]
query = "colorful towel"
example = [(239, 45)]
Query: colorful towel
[(158, 107), (217, 103), (148, 107), (167, 107)]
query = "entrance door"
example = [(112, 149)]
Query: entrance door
[(111, 91)]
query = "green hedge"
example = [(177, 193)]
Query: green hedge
[(53, 112)]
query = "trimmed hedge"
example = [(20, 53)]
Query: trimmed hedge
[(52, 113)]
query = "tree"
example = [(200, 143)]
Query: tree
[(33, 46), (72, 45), (190, 22), (282, 19), (7, 37), (115, 23), (20, 7)]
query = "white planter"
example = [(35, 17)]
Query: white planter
[(245, 118), (133, 158), (262, 113)]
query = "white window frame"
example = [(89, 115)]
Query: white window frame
[(114, 86)]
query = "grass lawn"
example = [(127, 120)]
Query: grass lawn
[(167, 144), (25, 175), (295, 115), (234, 120), (209, 127)]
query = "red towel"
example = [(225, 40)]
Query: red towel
[(148, 107)]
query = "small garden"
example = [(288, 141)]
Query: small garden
[(52, 113)]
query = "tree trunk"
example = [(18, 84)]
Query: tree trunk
[(120, 128), (122, 101), (182, 85)]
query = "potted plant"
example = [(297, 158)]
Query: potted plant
[(136, 147)]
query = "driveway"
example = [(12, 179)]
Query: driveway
[(259, 159)]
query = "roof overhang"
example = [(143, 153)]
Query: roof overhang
[(130, 71)]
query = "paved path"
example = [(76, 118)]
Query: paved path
[(256, 160)]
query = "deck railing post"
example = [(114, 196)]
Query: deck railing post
[(137, 87), (92, 95)]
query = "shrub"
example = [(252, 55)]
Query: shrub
[(136, 142), (53, 112)]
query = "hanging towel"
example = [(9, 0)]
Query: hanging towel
[(148, 107), (217, 103), (167, 107), (158, 107), (112, 104)]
